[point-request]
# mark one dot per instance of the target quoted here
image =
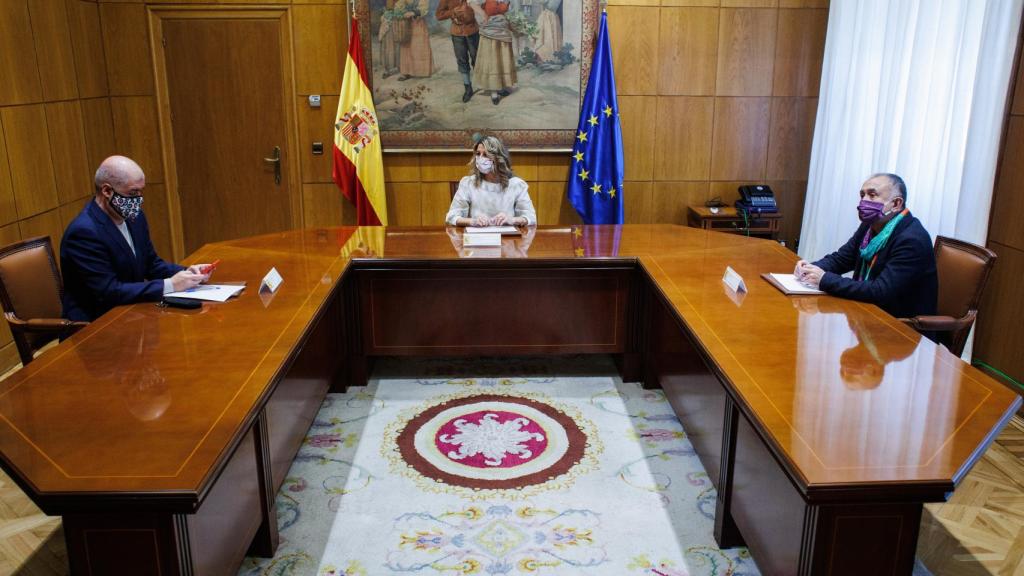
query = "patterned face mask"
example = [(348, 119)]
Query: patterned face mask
[(127, 207)]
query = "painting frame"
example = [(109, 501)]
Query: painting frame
[(461, 137)]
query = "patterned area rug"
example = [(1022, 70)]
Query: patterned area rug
[(538, 467)]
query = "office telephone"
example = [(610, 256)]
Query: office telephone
[(756, 199)]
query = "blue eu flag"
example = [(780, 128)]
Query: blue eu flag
[(595, 180)]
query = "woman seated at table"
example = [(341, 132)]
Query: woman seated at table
[(492, 195)]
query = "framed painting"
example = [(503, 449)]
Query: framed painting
[(442, 70)]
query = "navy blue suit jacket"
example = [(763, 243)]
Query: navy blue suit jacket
[(99, 269), (903, 281)]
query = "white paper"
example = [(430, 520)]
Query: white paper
[(790, 283), (733, 280), (272, 280), (211, 292), (470, 240), (492, 230)]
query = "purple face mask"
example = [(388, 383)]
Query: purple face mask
[(870, 212)]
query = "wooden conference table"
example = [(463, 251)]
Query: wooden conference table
[(161, 436)]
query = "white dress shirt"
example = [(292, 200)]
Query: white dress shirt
[(489, 199)]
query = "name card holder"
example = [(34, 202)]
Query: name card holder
[(733, 280), (271, 281)]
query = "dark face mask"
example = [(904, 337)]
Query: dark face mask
[(127, 207)]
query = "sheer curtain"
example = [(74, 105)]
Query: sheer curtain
[(915, 87)]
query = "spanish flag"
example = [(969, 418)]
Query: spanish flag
[(358, 168)]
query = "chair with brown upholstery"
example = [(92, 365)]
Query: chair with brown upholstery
[(30, 291), (963, 271)]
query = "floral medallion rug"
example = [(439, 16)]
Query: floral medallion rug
[(538, 467)]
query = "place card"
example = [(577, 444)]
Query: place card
[(733, 280), (272, 280)]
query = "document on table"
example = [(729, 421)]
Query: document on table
[(471, 240), (211, 292), (503, 230), (789, 285)]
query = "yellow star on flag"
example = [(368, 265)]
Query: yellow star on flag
[(579, 252), (582, 137), (593, 120), (578, 156), (607, 110), (611, 192), (577, 232), (596, 188), (584, 174)]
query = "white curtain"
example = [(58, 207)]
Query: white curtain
[(918, 88)]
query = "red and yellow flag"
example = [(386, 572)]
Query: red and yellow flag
[(358, 168)]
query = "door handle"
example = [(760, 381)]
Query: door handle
[(276, 161)]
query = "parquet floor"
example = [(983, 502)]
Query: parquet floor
[(979, 531)]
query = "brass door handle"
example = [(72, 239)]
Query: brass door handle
[(276, 161)]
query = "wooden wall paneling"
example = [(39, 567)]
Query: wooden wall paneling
[(639, 202), (555, 167), (750, 3), (999, 327), (137, 133), (343, 2), (682, 142), (637, 116), (402, 167), (87, 47), (323, 206), (158, 218), (671, 200), (8, 354), (524, 165), (317, 125), (28, 152), (633, 35), (803, 3), (45, 224), (1017, 106), (404, 204), (741, 138), (320, 45), (691, 3), (790, 137), (437, 200), (1008, 200), (746, 51), (552, 204), (67, 147), (53, 49), (727, 191), (126, 47), (447, 167), (799, 52), (8, 208), (69, 211), (687, 51), (18, 66), (790, 197), (98, 122)]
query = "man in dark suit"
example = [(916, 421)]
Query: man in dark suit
[(106, 256), (890, 255)]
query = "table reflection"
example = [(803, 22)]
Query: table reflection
[(511, 246)]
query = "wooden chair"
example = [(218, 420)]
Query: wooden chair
[(963, 270), (30, 292)]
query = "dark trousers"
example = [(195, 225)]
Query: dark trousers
[(465, 53)]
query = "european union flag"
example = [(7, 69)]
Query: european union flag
[(595, 180)]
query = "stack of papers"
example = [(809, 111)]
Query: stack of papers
[(471, 240), (211, 292), (789, 284), (504, 230)]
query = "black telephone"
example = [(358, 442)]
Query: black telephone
[(756, 199)]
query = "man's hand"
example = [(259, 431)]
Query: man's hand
[(481, 221), (798, 271), (186, 279), (500, 219)]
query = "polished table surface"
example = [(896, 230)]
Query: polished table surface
[(150, 400)]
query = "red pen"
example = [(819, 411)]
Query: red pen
[(211, 267)]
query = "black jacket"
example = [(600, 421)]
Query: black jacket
[(903, 281), (99, 269)]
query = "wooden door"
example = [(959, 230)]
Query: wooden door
[(225, 90)]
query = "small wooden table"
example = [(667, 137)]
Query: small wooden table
[(728, 219)]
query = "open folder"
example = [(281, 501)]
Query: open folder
[(789, 285), (211, 292)]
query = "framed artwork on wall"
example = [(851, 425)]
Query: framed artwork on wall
[(442, 70)]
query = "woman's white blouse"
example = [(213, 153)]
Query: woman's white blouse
[(488, 200)]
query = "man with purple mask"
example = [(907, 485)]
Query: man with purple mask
[(890, 255)]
